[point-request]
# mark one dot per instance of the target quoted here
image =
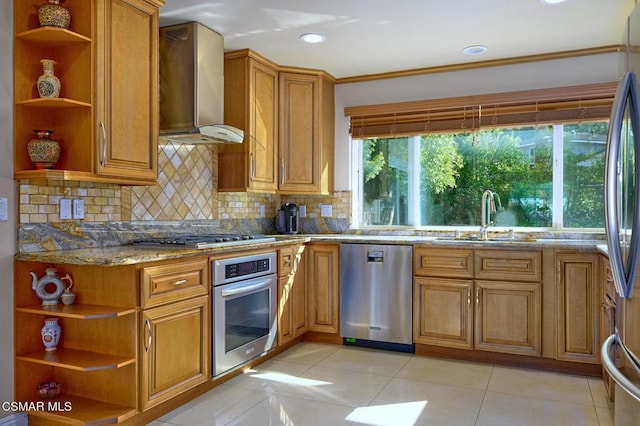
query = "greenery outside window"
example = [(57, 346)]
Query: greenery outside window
[(547, 177)]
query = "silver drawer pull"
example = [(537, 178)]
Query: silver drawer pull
[(180, 282)]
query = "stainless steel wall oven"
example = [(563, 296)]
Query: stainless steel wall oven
[(244, 309)]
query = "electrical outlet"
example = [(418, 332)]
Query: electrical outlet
[(78, 209), (302, 211), (261, 210), (65, 208), (326, 210)]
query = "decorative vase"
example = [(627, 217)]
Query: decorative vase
[(53, 14), (51, 334), (48, 83), (43, 151)]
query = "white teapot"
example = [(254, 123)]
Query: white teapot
[(42, 286)]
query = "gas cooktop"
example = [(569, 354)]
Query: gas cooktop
[(203, 241)]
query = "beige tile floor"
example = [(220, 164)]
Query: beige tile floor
[(319, 384)]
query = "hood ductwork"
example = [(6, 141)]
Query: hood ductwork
[(192, 86)]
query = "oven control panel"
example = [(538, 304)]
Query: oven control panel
[(246, 268), (243, 267)]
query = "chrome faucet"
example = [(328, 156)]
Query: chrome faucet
[(487, 209)]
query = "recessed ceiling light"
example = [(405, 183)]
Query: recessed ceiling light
[(312, 38), (476, 49), (552, 1)]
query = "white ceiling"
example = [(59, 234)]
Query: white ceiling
[(378, 36)]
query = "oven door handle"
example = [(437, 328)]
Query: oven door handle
[(262, 284)]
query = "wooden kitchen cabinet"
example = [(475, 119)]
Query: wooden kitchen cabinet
[(454, 307), (607, 318), (306, 147), (106, 118), (96, 359), (174, 332), (508, 317), (250, 104), (443, 313), (175, 350), (579, 299), (292, 293), (323, 284)]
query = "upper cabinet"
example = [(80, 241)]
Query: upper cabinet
[(306, 132), (106, 116), (251, 104), (288, 118)]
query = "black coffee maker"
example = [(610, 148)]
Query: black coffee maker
[(286, 220)]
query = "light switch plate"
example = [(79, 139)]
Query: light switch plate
[(65, 208), (4, 215), (78, 209), (326, 210)]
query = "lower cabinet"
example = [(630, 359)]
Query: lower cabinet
[(323, 284), (508, 317), (442, 312), (454, 308), (174, 329), (579, 298), (175, 349), (493, 316), (292, 294)]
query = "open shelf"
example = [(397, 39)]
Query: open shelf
[(53, 36), (83, 411), (77, 360), (53, 103), (78, 311)]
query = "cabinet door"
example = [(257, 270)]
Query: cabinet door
[(175, 349), (263, 116), (126, 117), (508, 317), (442, 312), (307, 127), (299, 294), (323, 275), (251, 104), (578, 298)]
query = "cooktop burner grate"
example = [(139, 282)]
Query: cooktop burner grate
[(202, 241)]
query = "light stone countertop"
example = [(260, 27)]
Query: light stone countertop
[(128, 254)]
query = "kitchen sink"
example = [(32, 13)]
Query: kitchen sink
[(489, 239)]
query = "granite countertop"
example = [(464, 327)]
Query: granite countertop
[(128, 254)]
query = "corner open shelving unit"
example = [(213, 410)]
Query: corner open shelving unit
[(96, 358), (71, 115)]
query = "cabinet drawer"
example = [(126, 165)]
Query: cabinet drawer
[(443, 262), (174, 281), (508, 265)]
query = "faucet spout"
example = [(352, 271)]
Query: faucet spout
[(487, 206)]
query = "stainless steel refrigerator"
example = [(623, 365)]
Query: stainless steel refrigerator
[(621, 350)]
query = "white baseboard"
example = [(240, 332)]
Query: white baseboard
[(17, 419)]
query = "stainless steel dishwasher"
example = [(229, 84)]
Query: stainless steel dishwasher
[(376, 295)]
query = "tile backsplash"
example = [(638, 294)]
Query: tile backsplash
[(186, 190)]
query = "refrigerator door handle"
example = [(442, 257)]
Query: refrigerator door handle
[(624, 275), (608, 364)]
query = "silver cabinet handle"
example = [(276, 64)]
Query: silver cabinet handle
[(469, 296), (477, 295), (147, 324), (103, 160), (180, 282)]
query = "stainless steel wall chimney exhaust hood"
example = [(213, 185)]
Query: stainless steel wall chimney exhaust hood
[(192, 86)]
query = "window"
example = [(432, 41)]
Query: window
[(542, 177)]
